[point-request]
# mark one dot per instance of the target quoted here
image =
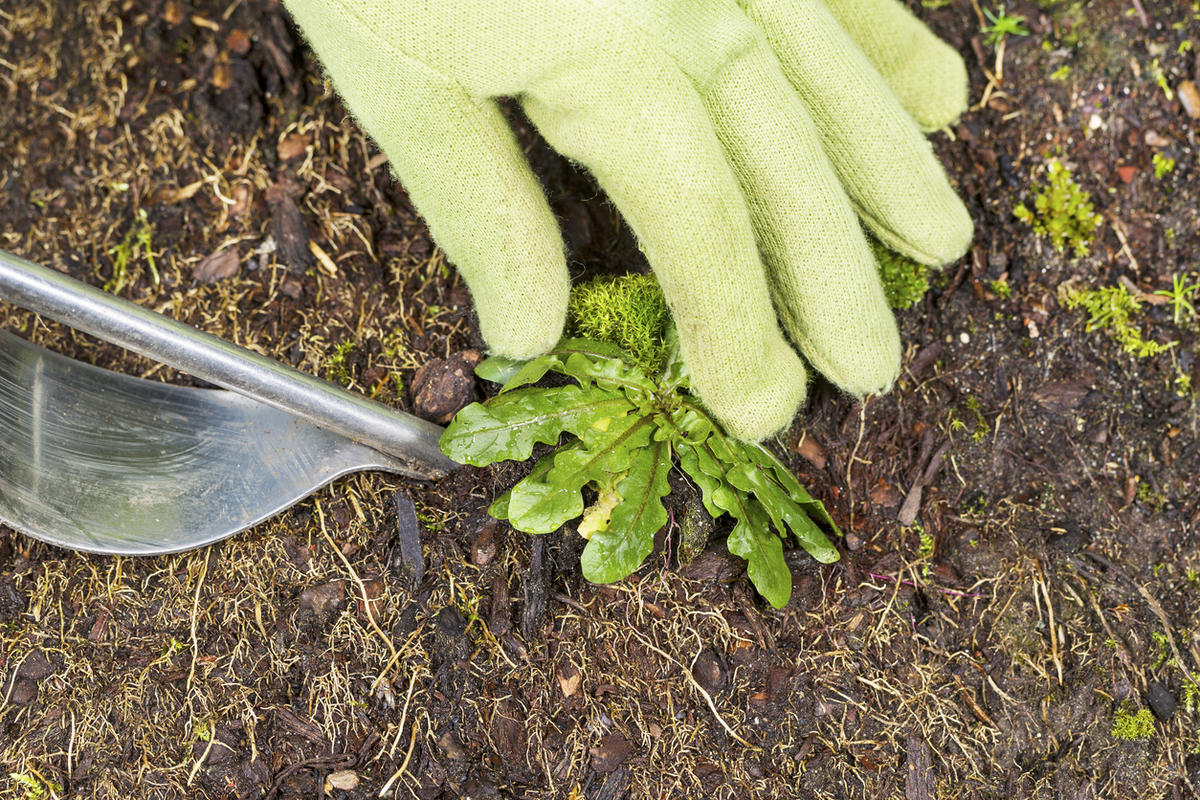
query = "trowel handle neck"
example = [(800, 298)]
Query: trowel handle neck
[(91, 310)]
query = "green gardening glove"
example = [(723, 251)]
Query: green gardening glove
[(743, 141)]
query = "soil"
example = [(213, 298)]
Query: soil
[(1019, 574)]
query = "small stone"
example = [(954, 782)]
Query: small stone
[(324, 600), (374, 597), (238, 41), (853, 541), (1155, 139), (483, 546), (442, 387), (1161, 701), (344, 779), (294, 145), (709, 670), (241, 200)]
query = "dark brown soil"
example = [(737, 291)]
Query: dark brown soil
[(1046, 588)]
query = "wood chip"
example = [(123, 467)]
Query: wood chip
[(289, 230), (569, 679), (812, 450), (175, 194), (1190, 98), (1061, 396), (919, 783), (613, 750), (217, 266), (294, 145), (411, 561)]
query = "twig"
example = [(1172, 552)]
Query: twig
[(696, 685), (195, 612), (1168, 629), (362, 588), (951, 592), (1145, 20)]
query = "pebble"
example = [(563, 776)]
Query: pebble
[(326, 599), (1161, 701), (442, 387)]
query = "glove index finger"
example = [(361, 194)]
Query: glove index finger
[(461, 165), (640, 126)]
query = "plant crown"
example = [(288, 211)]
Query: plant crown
[(626, 431)]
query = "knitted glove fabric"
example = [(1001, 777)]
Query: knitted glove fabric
[(742, 140)]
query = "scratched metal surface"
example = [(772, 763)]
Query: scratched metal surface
[(103, 462)]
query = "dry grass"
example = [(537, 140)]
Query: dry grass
[(202, 674)]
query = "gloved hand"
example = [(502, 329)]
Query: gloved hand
[(742, 140)]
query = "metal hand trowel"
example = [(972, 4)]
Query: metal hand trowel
[(98, 461)]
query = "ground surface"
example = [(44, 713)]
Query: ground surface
[(1046, 588)]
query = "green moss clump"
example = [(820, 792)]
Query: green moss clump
[(1110, 309), (628, 311), (1133, 727), (904, 281), (1062, 211)]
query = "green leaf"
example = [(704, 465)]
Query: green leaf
[(531, 371), (498, 369), (766, 461), (614, 553), (499, 506), (783, 510), (510, 424), (589, 368), (689, 460), (544, 504), (753, 540)]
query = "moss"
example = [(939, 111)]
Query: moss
[(1110, 309), (337, 369), (138, 239), (1062, 211), (628, 311), (904, 281), (1133, 727), (1162, 165)]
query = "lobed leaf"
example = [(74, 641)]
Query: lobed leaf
[(689, 461), (498, 369), (510, 424), (783, 511), (614, 553), (546, 503), (499, 506), (753, 540), (768, 462)]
